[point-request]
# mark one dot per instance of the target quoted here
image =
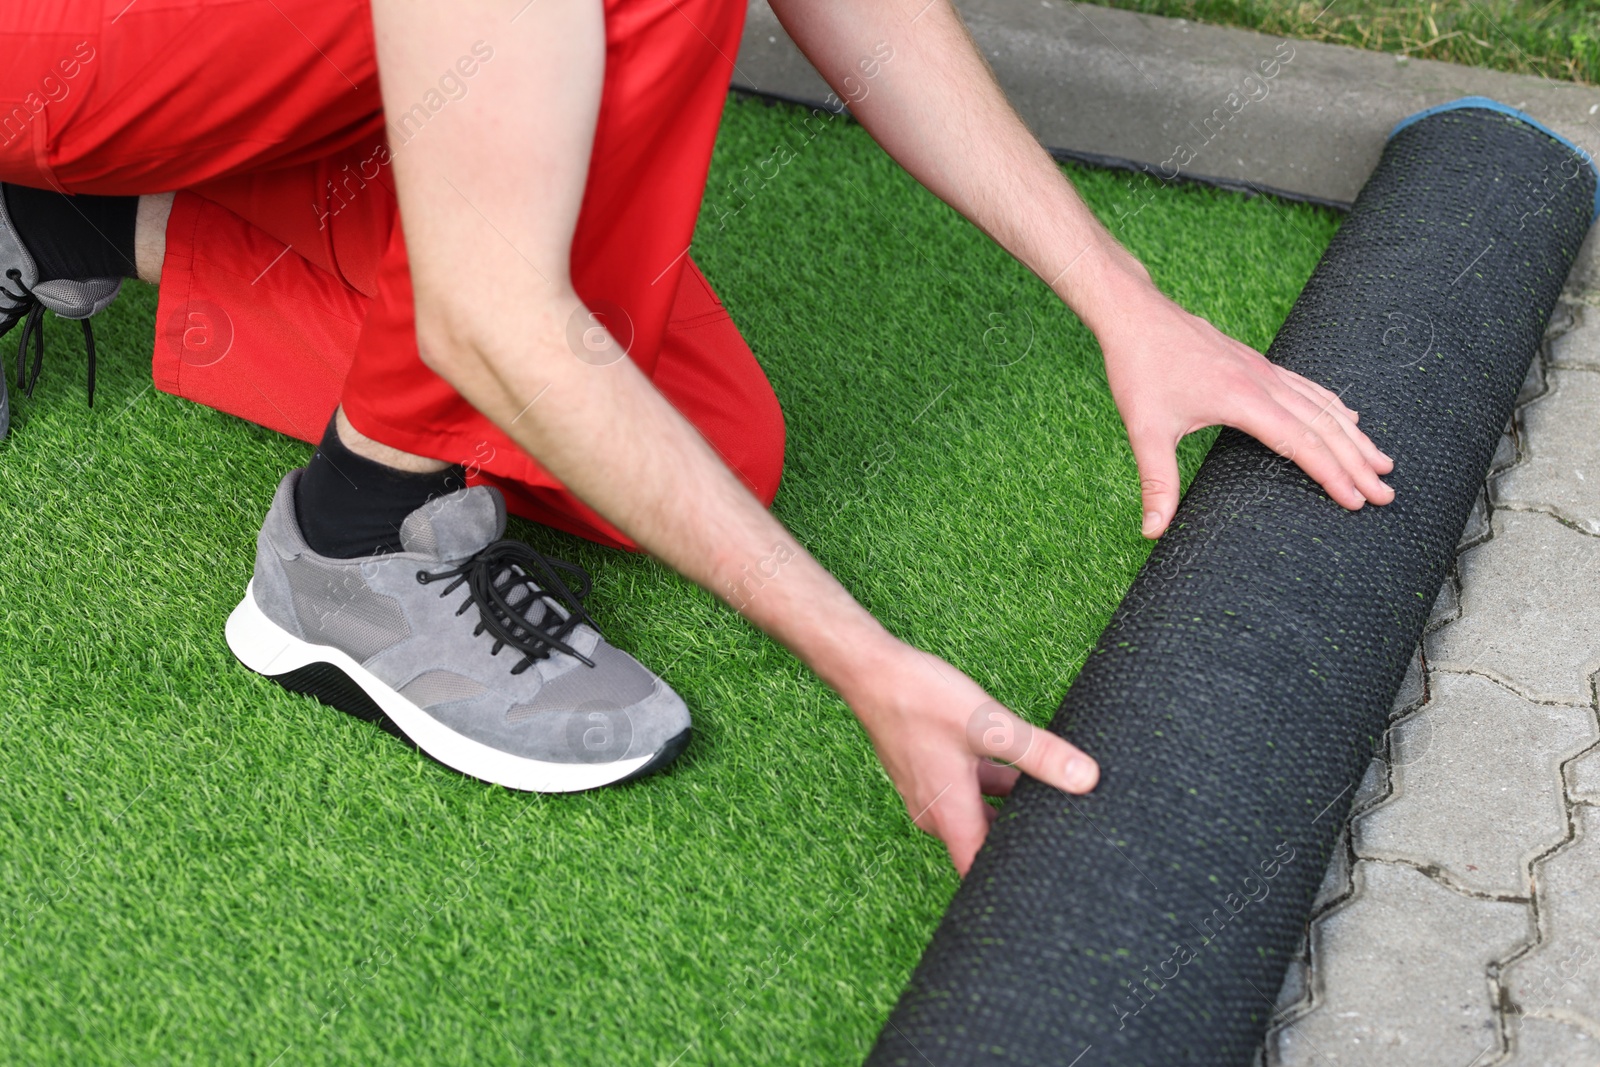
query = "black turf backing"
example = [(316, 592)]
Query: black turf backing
[(1240, 690)]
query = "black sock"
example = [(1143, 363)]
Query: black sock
[(352, 506), (75, 237)]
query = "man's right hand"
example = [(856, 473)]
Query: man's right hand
[(946, 744)]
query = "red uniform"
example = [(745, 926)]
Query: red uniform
[(285, 289)]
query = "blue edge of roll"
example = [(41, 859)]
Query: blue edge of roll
[(1001, 1026), (1484, 103)]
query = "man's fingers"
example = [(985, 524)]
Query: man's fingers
[(1311, 450), (961, 820), (1317, 392), (1341, 439), (1058, 763), (1157, 457), (996, 732), (1280, 430), (1328, 424), (1346, 418)]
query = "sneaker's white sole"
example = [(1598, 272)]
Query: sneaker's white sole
[(269, 649)]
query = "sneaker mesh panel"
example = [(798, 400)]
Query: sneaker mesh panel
[(615, 681), (336, 607), (431, 688), (78, 299), (418, 535)]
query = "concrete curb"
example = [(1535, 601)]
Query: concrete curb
[(1226, 106)]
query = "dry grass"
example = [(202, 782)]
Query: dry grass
[(1553, 38)]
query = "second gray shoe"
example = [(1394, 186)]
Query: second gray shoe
[(473, 648), (26, 300)]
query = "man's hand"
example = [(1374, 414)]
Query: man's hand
[(910, 73), (1172, 373), (938, 734)]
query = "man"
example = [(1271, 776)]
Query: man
[(547, 158)]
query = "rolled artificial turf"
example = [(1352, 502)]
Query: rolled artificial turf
[(200, 868), (1236, 696)]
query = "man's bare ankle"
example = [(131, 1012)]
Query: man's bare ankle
[(378, 452), (150, 236)]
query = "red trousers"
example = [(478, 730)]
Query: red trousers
[(285, 290)]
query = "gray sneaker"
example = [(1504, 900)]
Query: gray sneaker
[(26, 299), (474, 649)]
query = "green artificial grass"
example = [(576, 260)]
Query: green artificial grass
[(1550, 38), (201, 868)]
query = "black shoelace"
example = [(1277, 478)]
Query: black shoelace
[(26, 308), (502, 569)]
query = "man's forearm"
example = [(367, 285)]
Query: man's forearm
[(660, 483), (935, 107), (603, 430)]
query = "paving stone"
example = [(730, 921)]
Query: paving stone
[(1486, 797), (1533, 384), (1336, 881), (1477, 527), (1562, 470), (1566, 316), (1541, 1042), (1505, 453), (1583, 777), (1376, 784), (1583, 283), (1528, 616), (1412, 687), (1401, 971), (1560, 976), (1296, 988), (1446, 607), (1410, 738), (1578, 345), (1374, 787)]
